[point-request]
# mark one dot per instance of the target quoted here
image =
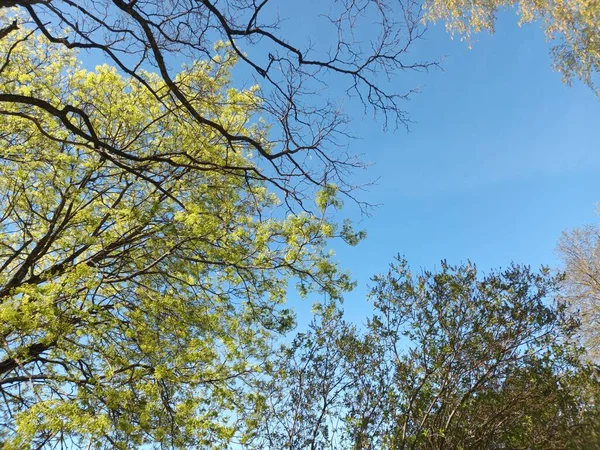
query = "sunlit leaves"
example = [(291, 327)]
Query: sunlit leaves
[(144, 262), (573, 26)]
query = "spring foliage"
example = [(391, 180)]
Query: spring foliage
[(573, 26), (137, 299)]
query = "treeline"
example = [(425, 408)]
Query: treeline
[(450, 360)]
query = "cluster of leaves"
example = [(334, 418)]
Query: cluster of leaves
[(137, 300), (451, 360), (575, 25)]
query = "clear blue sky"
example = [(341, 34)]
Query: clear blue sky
[(501, 159)]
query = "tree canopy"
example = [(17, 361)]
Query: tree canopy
[(134, 302), (451, 360)]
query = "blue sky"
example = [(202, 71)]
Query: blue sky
[(502, 157)]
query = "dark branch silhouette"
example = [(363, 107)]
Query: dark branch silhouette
[(308, 127)]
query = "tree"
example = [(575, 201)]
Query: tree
[(580, 252), (575, 25), (138, 302), (451, 360)]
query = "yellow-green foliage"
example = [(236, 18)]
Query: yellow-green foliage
[(134, 309), (574, 24)]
